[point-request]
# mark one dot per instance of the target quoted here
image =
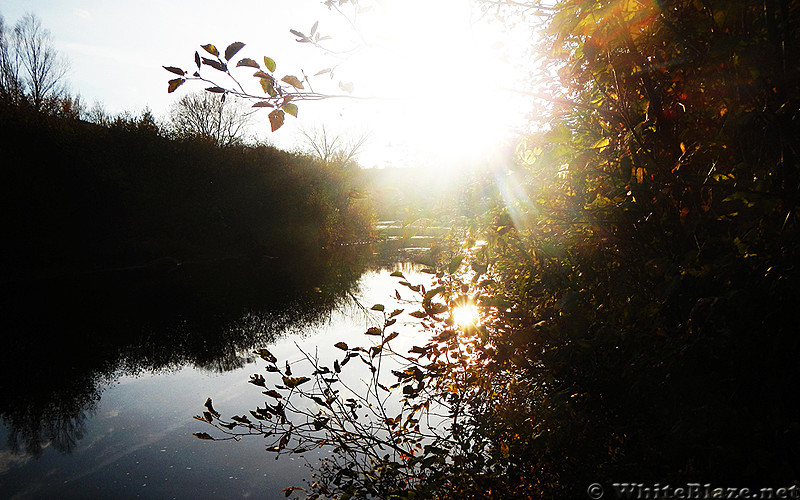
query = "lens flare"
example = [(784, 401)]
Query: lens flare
[(465, 315)]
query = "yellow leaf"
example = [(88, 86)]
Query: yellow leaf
[(268, 87), (211, 49), (290, 108)]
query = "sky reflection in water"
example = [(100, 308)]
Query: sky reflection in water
[(102, 406)]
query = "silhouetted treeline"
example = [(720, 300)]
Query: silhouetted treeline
[(82, 197)]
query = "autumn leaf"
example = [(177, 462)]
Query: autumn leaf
[(266, 355), (290, 108), (232, 50), (270, 64), (293, 81), (245, 61), (257, 380), (268, 87), (341, 345), (276, 118), (173, 69), (211, 49), (292, 382), (273, 393), (214, 64), (288, 491), (174, 84), (210, 407), (265, 76)]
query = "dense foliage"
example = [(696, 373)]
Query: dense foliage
[(648, 249), (82, 197)]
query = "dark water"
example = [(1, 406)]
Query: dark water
[(102, 373)]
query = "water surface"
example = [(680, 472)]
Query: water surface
[(103, 373)]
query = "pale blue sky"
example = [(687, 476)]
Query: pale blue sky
[(117, 48)]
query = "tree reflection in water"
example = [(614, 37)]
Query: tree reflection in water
[(66, 340)]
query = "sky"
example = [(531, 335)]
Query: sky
[(426, 84)]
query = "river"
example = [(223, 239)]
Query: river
[(103, 373)]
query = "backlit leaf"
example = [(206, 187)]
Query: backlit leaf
[(314, 28), (263, 104), (215, 90), (174, 84), (288, 491), (211, 49), (377, 307), (341, 345), (322, 71), (173, 69), (418, 314), (373, 331), (292, 382), (273, 393), (246, 61), (266, 355), (210, 407), (270, 64), (397, 274), (197, 59), (297, 34), (347, 87), (241, 420), (204, 436), (269, 88), (430, 294), (214, 64), (293, 81), (290, 108), (276, 118), (232, 50), (265, 76)]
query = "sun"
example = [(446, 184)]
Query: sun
[(439, 74), (466, 315)]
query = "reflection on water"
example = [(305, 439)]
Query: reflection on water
[(65, 341)]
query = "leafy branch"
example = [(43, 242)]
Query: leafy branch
[(279, 93), (390, 414)]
